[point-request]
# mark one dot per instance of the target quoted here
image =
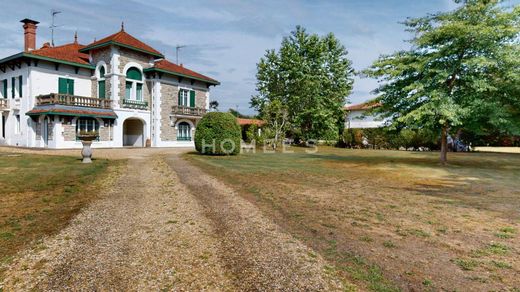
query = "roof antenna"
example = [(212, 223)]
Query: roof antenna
[(76, 37), (177, 48), (53, 26), (122, 26)]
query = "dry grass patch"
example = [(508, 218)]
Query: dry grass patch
[(416, 223), (39, 194)]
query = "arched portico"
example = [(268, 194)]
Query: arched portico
[(134, 132)]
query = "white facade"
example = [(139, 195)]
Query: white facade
[(36, 114)]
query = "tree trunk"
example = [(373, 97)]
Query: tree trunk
[(444, 145)]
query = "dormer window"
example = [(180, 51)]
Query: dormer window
[(134, 84), (101, 83)]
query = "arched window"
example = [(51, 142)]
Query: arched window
[(134, 84), (101, 83), (183, 132)]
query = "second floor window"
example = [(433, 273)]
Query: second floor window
[(65, 86), (186, 98), (101, 83), (134, 84)]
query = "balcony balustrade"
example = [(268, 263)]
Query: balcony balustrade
[(188, 111), (73, 100)]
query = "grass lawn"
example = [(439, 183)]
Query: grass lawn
[(391, 220), (39, 194)]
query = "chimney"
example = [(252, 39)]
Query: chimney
[(29, 27)]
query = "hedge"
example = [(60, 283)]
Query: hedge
[(218, 134)]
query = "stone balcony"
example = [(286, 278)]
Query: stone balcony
[(134, 104), (187, 111), (73, 100)]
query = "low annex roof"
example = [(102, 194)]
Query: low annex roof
[(244, 122), (66, 110), (363, 106)]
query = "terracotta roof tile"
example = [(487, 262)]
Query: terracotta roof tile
[(243, 122), (363, 106), (174, 68), (125, 39), (69, 52)]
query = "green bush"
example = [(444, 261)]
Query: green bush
[(218, 134)]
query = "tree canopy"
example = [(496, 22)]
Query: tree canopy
[(311, 78), (462, 72)]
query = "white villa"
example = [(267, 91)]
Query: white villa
[(357, 116), (118, 86)]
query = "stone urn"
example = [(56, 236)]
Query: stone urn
[(86, 152)]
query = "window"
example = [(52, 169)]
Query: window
[(20, 85), (183, 97), (65, 86), (17, 126), (183, 132), (128, 90), (186, 98), (134, 84), (13, 87), (139, 92), (4, 88), (86, 125), (101, 83)]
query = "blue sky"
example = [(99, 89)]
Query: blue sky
[(225, 39)]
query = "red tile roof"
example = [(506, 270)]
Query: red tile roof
[(244, 122), (176, 69), (69, 53), (126, 40), (363, 106)]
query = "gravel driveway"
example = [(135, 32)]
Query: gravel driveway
[(162, 224)]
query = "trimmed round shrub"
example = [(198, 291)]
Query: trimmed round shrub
[(218, 134)]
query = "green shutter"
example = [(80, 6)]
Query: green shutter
[(101, 89), (20, 86), (192, 98), (179, 102), (71, 87), (5, 89), (13, 86), (62, 86)]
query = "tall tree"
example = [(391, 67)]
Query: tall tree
[(311, 77), (462, 72)]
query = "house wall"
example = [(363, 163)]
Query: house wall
[(169, 87), (357, 120)]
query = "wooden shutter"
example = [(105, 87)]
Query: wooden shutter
[(13, 86), (62, 86), (179, 99), (5, 88), (20, 86), (192, 98), (101, 89), (71, 87)]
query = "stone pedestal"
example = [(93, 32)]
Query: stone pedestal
[(86, 152)]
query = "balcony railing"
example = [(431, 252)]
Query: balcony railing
[(3, 104), (134, 104), (183, 138), (188, 111), (74, 100)]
